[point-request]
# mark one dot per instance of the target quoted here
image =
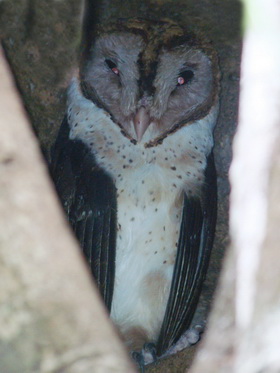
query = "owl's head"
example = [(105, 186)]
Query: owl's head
[(151, 77)]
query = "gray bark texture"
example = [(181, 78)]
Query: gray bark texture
[(243, 335), (51, 317)]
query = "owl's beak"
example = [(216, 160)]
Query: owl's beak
[(141, 122)]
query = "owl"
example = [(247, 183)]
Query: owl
[(134, 169)]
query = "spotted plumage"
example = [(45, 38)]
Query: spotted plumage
[(134, 170)]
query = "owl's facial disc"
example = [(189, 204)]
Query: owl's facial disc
[(149, 90)]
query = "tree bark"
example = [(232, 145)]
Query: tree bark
[(243, 335), (51, 317)]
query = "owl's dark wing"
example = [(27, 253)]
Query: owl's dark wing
[(89, 198), (194, 247)]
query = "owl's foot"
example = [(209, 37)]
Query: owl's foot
[(189, 338), (139, 360), (146, 356), (149, 353)]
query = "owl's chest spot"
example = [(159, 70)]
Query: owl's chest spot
[(171, 165), (176, 164)]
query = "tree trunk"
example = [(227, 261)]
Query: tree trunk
[(50, 314), (243, 335)]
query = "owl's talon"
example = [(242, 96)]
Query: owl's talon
[(149, 353), (139, 360), (200, 327)]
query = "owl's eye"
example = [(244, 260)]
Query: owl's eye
[(185, 77), (112, 66)]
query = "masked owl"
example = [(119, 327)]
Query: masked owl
[(134, 169)]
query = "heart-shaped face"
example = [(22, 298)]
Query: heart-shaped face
[(152, 77)]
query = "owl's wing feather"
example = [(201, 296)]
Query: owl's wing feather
[(89, 198), (194, 247)]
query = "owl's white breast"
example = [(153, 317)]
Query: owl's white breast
[(179, 160), (150, 183)]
